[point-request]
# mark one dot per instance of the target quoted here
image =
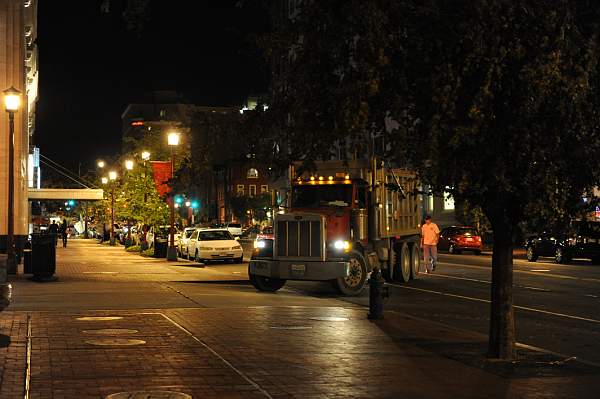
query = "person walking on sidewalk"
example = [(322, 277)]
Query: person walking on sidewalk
[(430, 233), (64, 232)]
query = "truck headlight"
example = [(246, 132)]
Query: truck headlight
[(341, 245), (259, 244)]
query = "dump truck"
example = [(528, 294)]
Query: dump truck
[(341, 220)]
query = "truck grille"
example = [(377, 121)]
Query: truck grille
[(299, 238)]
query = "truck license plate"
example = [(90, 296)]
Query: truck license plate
[(298, 269)]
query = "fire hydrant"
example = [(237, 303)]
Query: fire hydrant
[(377, 292)]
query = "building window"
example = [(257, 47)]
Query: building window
[(240, 189), (252, 173), (264, 189), (448, 202), (252, 190)]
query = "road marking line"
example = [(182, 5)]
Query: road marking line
[(533, 288), (488, 301), (204, 344), (588, 279), (485, 281), (459, 278)]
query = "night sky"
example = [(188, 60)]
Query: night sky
[(91, 66)]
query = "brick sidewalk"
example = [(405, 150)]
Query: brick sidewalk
[(264, 352)]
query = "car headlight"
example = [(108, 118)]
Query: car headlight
[(341, 245), (206, 249), (237, 247), (260, 244)]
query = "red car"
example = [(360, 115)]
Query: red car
[(456, 239), (265, 234)]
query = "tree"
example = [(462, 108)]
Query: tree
[(501, 111)]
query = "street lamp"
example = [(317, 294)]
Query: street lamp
[(101, 164), (145, 155), (173, 141), (104, 180), (12, 102), (129, 164), (112, 176)]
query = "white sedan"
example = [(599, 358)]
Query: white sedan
[(182, 240), (214, 244)]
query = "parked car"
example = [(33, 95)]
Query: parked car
[(182, 241), (157, 232), (582, 240), (456, 239), (214, 244), (250, 233), (235, 229)]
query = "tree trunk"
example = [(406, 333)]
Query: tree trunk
[(502, 322)]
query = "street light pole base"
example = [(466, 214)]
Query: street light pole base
[(172, 253)]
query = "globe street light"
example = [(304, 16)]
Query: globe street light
[(145, 155), (12, 102), (101, 164), (129, 164), (173, 140)]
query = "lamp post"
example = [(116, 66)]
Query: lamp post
[(129, 167), (145, 158), (173, 141), (112, 176), (12, 101)]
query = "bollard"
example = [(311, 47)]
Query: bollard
[(377, 292)]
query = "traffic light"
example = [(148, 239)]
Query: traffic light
[(195, 204), (71, 203), (178, 199)]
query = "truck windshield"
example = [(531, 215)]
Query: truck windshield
[(319, 195)]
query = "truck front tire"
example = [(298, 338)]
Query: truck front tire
[(355, 282), (266, 284)]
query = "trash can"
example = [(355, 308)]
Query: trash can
[(27, 267), (160, 247), (43, 256)]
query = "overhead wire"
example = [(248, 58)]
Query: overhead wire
[(66, 172)]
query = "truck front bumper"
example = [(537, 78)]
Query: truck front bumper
[(299, 270)]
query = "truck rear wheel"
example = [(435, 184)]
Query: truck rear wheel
[(392, 266), (415, 261), (266, 284), (405, 264), (355, 282)]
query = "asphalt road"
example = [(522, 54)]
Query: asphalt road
[(557, 307)]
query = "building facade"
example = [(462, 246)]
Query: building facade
[(18, 69)]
